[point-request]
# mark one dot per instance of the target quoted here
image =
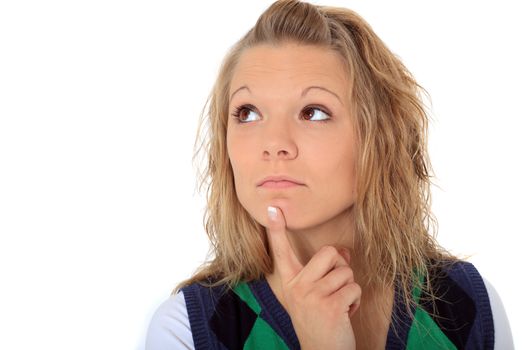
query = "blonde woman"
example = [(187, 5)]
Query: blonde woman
[(319, 205)]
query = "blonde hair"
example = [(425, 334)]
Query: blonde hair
[(394, 224)]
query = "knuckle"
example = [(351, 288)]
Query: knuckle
[(357, 289), (349, 273), (353, 291), (329, 250), (346, 272)]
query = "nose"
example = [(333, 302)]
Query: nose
[(279, 142)]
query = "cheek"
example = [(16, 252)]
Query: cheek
[(243, 149), (338, 167), (240, 158), (237, 154), (232, 148)]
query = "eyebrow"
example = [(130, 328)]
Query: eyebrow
[(305, 91)]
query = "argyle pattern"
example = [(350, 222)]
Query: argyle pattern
[(249, 316), (444, 324), (249, 331)]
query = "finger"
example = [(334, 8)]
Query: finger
[(345, 261), (325, 260), (286, 262), (334, 280), (348, 298)]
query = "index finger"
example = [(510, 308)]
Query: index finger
[(285, 260)]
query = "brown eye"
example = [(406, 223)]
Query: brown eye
[(314, 113), (242, 113)]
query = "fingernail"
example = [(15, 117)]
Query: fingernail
[(272, 213)]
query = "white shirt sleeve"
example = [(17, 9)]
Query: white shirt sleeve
[(170, 326), (502, 333)]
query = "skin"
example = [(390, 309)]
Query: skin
[(278, 140), (281, 134)]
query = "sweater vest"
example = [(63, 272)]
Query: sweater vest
[(249, 316)]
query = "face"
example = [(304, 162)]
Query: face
[(289, 115)]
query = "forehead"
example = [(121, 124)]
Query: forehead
[(289, 65)]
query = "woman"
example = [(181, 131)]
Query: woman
[(319, 204)]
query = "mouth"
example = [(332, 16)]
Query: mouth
[(279, 184), (279, 181)]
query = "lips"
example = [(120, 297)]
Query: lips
[(279, 178)]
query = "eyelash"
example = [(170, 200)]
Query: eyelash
[(237, 112)]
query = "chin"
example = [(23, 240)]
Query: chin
[(294, 216)]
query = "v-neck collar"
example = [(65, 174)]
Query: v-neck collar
[(275, 314)]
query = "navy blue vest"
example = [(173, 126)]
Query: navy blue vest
[(249, 316)]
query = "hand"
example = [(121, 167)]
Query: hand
[(319, 297)]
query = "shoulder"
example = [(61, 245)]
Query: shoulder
[(470, 303), (169, 327), (459, 280), (502, 332)]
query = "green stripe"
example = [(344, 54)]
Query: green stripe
[(418, 284), (243, 291), (263, 337), (424, 332)]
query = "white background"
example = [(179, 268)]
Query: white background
[(99, 102)]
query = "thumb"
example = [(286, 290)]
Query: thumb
[(285, 261)]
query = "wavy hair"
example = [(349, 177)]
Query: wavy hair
[(394, 226)]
